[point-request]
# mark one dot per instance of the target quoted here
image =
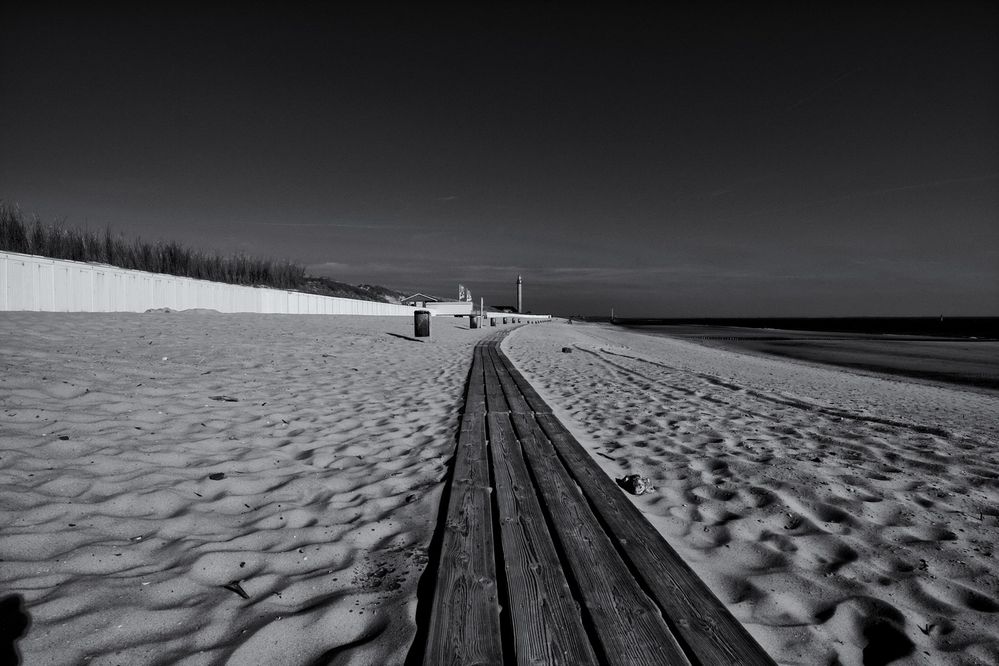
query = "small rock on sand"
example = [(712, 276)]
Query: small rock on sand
[(217, 476), (635, 484)]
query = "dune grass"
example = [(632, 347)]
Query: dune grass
[(57, 241)]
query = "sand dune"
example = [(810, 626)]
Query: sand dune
[(148, 461), (842, 518)]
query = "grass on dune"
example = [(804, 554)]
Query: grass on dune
[(58, 241)]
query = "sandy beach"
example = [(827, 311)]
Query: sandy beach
[(843, 518), (199, 488), (328, 437)]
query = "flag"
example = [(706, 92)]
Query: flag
[(468, 295), (461, 292)]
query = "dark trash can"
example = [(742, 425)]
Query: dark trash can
[(421, 324)]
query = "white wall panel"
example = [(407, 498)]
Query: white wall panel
[(55, 285)]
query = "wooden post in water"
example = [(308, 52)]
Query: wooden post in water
[(421, 324)]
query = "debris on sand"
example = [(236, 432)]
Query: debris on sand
[(234, 586), (566, 350), (224, 398), (216, 476), (635, 484)]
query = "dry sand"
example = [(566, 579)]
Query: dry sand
[(843, 518), (331, 432)]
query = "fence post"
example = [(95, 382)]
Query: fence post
[(492, 321), (472, 321), (421, 324)]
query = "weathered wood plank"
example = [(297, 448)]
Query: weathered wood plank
[(627, 624), (547, 625), (495, 400), (464, 622), (475, 397), (538, 405), (699, 618), (514, 397)]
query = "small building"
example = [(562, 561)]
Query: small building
[(419, 300)]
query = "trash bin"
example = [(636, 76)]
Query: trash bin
[(421, 324)]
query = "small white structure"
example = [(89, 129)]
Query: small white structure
[(438, 306), (456, 308), (419, 300)]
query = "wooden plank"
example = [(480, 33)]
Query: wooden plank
[(475, 396), (547, 625), (464, 622), (538, 405), (495, 400), (514, 397), (699, 618), (627, 624)]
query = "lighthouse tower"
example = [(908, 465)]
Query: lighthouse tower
[(520, 294)]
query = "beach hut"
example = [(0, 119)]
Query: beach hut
[(419, 300)]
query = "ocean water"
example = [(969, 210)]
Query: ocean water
[(937, 354)]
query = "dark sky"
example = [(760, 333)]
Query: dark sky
[(786, 159)]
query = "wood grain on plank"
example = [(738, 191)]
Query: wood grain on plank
[(495, 400), (475, 396), (627, 624), (699, 618), (547, 625), (464, 622), (514, 397), (538, 405)]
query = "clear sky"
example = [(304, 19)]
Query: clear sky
[(745, 159)]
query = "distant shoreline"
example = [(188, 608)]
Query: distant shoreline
[(950, 359), (945, 327)]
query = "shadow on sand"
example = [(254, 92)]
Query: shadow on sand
[(404, 337), (14, 624)]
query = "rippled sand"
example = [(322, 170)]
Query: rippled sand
[(842, 518), (332, 434)]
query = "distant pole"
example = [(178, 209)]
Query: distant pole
[(482, 311), (520, 294)]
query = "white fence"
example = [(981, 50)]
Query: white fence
[(35, 283)]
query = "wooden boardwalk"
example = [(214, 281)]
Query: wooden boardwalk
[(544, 560)]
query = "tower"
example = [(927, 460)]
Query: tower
[(520, 294)]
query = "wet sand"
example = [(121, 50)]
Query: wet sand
[(964, 362)]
